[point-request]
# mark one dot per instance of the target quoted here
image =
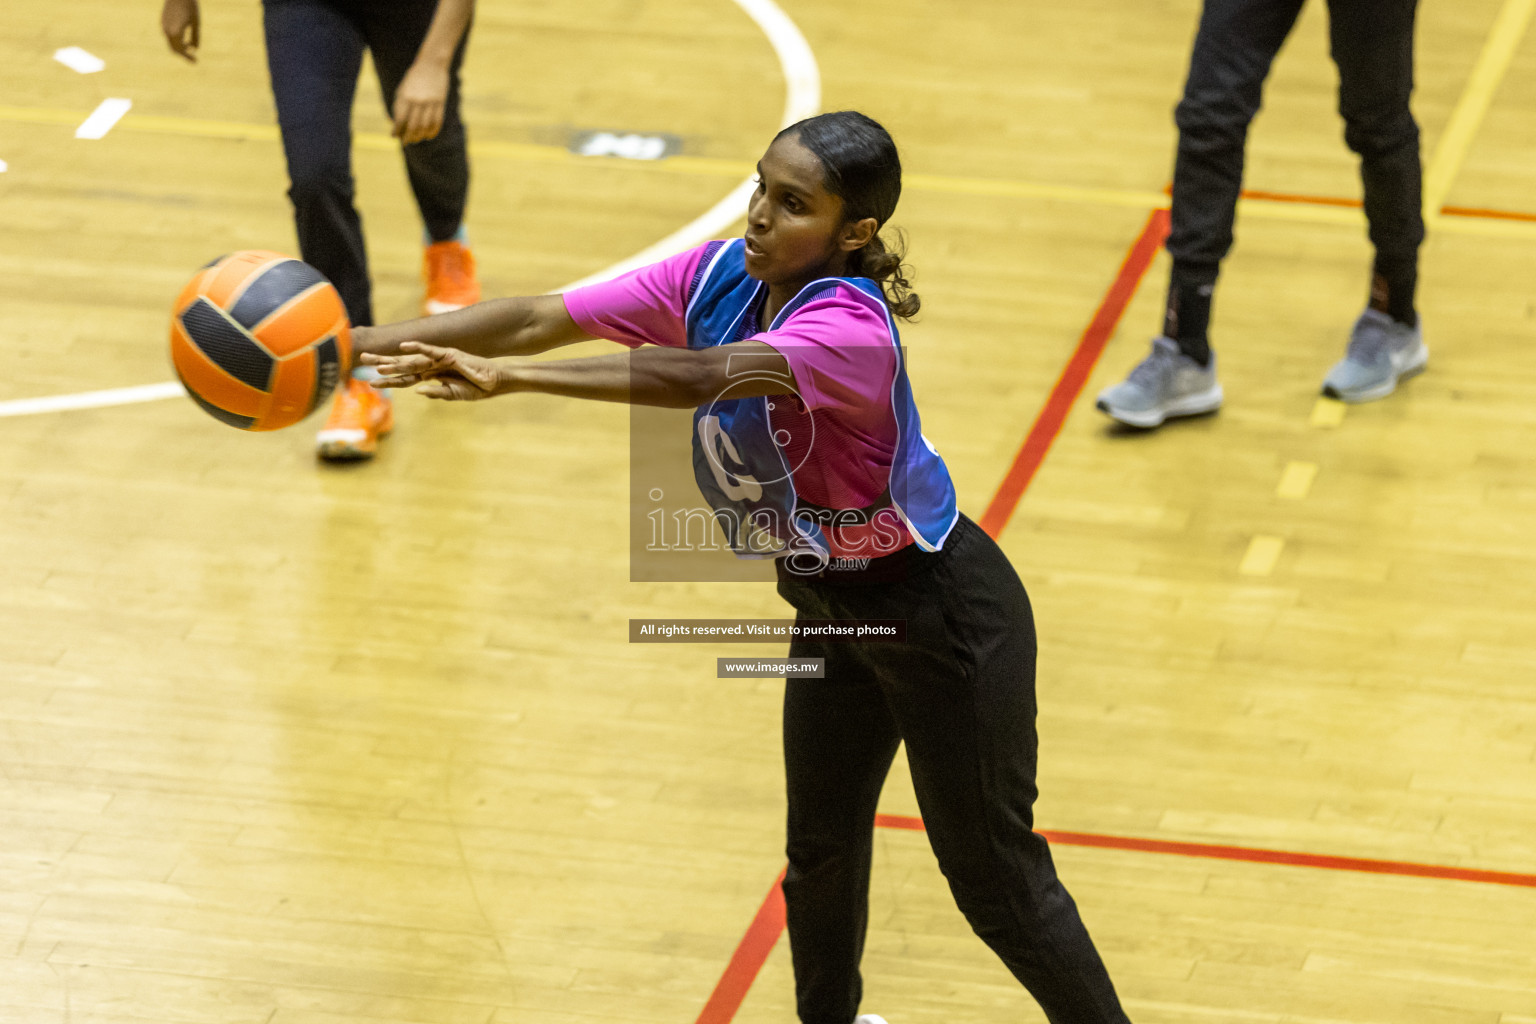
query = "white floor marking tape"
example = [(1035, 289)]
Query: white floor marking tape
[(106, 114), (802, 98), (91, 399), (79, 60)]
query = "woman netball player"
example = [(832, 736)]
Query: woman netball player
[(780, 339)]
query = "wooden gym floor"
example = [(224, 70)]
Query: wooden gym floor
[(292, 744)]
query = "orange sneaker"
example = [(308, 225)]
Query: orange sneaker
[(359, 417), (449, 269)]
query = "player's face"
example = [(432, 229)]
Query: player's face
[(795, 227)]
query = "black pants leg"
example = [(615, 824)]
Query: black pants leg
[(1234, 48), (314, 54), (1372, 43), (839, 740), (961, 694), (438, 167)]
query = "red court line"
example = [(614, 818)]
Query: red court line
[(1255, 855), (1291, 197), (748, 959), (755, 946), (1070, 384), (1475, 212)]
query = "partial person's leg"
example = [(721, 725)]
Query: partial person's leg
[(839, 740), (314, 54), (1234, 48), (965, 705), (1373, 48), (438, 167)]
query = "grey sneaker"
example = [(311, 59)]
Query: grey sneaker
[(1381, 352), (1166, 383)]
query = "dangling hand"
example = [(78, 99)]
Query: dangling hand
[(420, 100), (181, 21), (444, 373)]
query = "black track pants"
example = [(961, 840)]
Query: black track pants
[(1372, 44), (314, 53), (961, 693)]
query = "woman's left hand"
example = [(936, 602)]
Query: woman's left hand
[(444, 373), (419, 103)]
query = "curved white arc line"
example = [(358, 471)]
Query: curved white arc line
[(802, 77), (802, 98), (712, 222)]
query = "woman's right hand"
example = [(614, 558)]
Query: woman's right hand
[(181, 22)]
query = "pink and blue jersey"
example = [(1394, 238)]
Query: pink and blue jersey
[(840, 434)]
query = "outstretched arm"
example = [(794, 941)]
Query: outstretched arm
[(674, 378), (496, 327)]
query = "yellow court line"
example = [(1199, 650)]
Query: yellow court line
[(1460, 131), (1296, 482), (1488, 72), (1327, 412), (39, 115), (1266, 209), (1262, 555), (200, 129)]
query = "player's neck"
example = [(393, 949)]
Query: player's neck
[(781, 293), (779, 296)]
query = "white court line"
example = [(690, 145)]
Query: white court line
[(91, 399), (4, 166), (802, 98), (76, 59), (106, 114)]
